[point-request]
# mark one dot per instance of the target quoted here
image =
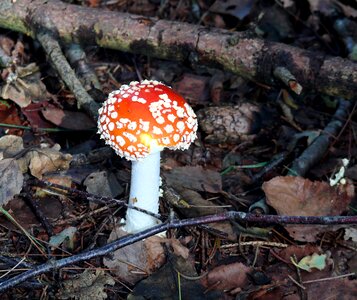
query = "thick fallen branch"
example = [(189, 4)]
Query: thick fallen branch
[(237, 52), (128, 240)]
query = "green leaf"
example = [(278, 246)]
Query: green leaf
[(317, 261)]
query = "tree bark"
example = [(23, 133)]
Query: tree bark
[(237, 52)]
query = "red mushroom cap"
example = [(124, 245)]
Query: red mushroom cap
[(146, 116)]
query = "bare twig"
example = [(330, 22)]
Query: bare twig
[(78, 60), (128, 240), (89, 196), (318, 148), (53, 50)]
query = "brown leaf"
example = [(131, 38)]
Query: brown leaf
[(86, 286), (26, 87), (329, 289), (193, 88), (136, 261), (332, 289), (34, 116), (177, 247), (45, 160), (9, 114), (103, 183), (16, 93), (68, 119), (163, 283), (298, 251), (296, 196), (10, 145), (195, 178), (227, 277), (11, 180)]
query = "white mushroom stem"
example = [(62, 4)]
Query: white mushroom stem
[(144, 193)]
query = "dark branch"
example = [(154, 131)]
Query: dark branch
[(127, 240)]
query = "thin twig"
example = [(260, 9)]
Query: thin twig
[(297, 283), (91, 197), (256, 243), (329, 278), (320, 145), (53, 50), (130, 239)]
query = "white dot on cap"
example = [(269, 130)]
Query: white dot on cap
[(120, 140), (181, 126), (114, 115), (111, 126), (169, 128), (156, 130), (171, 117), (132, 125), (160, 120)]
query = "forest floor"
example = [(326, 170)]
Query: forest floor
[(276, 149)]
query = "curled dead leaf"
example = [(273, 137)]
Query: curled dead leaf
[(11, 180), (227, 277), (136, 261), (44, 160), (296, 196), (87, 285), (68, 119)]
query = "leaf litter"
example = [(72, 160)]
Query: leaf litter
[(238, 118)]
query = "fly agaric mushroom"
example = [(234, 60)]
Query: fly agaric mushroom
[(138, 121)]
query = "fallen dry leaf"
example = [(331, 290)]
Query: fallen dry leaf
[(11, 180), (44, 160), (164, 283), (227, 277), (341, 288), (68, 119), (56, 179), (34, 116), (10, 145), (51, 208), (103, 183), (26, 87), (191, 205), (193, 88), (177, 247), (332, 289), (296, 196), (297, 251), (135, 262), (86, 286), (350, 233), (9, 114), (194, 178)]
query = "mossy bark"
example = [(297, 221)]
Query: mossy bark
[(237, 52)]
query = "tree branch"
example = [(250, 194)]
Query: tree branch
[(314, 153), (238, 52), (128, 240), (54, 52)]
